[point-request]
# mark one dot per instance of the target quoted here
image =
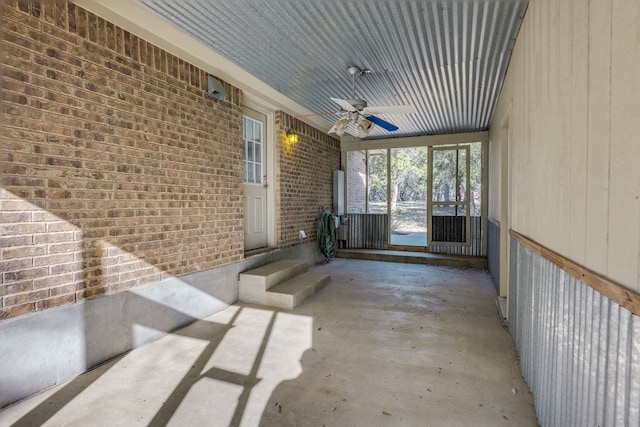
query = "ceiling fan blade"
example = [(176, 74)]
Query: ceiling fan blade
[(344, 104), (382, 123), (390, 109)]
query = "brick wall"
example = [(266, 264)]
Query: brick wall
[(304, 178), (356, 182), (117, 169)]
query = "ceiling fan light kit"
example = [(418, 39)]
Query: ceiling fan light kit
[(340, 127), (358, 113), (365, 128)]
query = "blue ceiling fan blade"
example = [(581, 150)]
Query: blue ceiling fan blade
[(382, 123)]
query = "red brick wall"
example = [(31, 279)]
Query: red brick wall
[(117, 169), (304, 178)]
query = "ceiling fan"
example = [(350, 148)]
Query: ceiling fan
[(360, 115)]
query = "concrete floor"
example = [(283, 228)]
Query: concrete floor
[(384, 344)]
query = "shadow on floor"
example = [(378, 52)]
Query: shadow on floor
[(223, 368)]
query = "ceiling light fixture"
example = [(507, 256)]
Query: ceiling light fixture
[(340, 127), (364, 128)]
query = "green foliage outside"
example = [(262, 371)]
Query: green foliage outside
[(409, 169)]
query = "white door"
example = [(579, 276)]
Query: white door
[(255, 180)]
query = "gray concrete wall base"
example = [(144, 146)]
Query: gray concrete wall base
[(43, 349)]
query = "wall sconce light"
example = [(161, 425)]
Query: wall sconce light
[(292, 137)]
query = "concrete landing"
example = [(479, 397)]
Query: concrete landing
[(460, 261)]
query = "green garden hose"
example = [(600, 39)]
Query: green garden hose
[(327, 235)]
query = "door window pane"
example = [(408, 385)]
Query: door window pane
[(258, 176), (253, 154), (250, 151), (257, 131), (257, 152), (250, 177), (248, 128), (444, 175)]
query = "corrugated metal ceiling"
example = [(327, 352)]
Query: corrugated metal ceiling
[(447, 58)]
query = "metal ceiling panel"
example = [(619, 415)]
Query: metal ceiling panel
[(447, 58)]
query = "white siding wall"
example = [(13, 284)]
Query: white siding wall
[(572, 102)]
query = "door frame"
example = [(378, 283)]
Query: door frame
[(467, 193), (269, 165)]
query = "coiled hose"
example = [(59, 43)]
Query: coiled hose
[(327, 235)]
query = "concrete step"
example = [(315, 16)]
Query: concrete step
[(462, 261), (254, 283), (294, 291)]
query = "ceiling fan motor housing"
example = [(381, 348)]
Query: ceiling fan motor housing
[(353, 116), (358, 104)]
